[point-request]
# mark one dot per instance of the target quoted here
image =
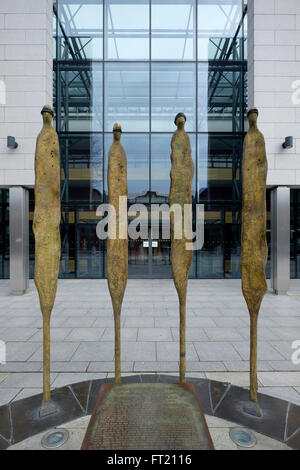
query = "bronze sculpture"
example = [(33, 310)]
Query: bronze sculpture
[(182, 173), (46, 223), (254, 244), (117, 248)]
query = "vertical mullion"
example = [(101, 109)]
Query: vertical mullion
[(103, 127), (150, 136), (197, 122)]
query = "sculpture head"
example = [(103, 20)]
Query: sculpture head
[(117, 130), (252, 116), (180, 120), (47, 113)]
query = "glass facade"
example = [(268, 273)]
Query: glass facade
[(4, 234), (140, 62)]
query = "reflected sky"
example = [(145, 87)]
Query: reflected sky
[(127, 23)]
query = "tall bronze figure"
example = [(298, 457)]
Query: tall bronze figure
[(254, 243), (182, 173), (47, 235), (117, 248)]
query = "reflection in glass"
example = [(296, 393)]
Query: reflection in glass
[(127, 36), (220, 98), (295, 233), (220, 30), (136, 147), (4, 234), (219, 163), (173, 29), (161, 166), (80, 104), (80, 29), (82, 163), (210, 257), (173, 91), (127, 96)]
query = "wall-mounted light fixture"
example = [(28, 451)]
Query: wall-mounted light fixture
[(288, 143), (11, 143)]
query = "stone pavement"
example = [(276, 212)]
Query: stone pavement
[(82, 335), (218, 428)]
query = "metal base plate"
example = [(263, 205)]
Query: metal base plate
[(47, 409), (251, 408), (147, 417)]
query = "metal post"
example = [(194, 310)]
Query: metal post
[(280, 240), (19, 240)]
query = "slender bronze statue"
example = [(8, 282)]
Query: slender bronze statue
[(117, 249), (254, 243), (47, 235), (182, 173)]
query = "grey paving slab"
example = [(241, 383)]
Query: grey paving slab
[(265, 351), (201, 366), (170, 351), (73, 312), (21, 367), (77, 322), (287, 333), (284, 348), (279, 379), (216, 351), (57, 334), (287, 322), (18, 322), (3, 376), (109, 366), (106, 322), (284, 366), (28, 392), (20, 351), (8, 394), (243, 366), (192, 334), (144, 351), (154, 334), (228, 322), (85, 334), (156, 366), (69, 366), (284, 393), (94, 351), (17, 334), (140, 322), (206, 312), (127, 334), (263, 333), (60, 351), (71, 378), (223, 334), (25, 380)]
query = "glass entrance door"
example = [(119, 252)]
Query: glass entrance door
[(89, 252)]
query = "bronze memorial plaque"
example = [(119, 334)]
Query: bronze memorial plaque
[(147, 417)]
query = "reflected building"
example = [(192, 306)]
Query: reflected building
[(140, 62)]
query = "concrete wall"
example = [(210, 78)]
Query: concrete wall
[(274, 68), (26, 64)]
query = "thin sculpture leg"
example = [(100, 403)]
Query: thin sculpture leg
[(254, 243), (47, 215), (117, 249), (182, 173)]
